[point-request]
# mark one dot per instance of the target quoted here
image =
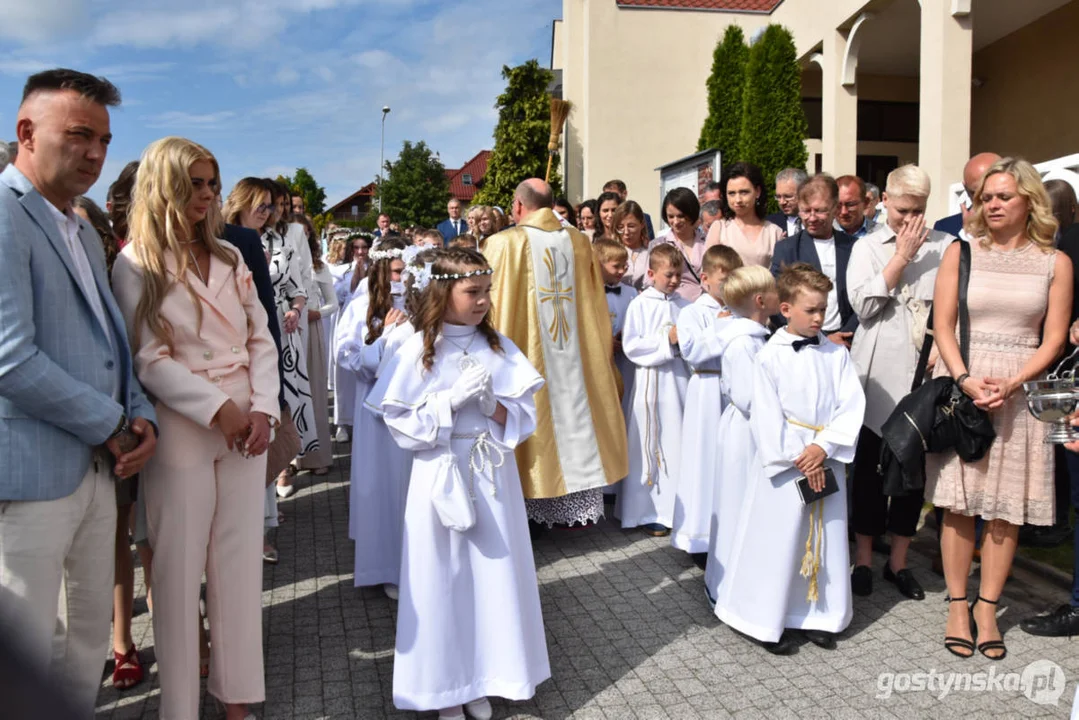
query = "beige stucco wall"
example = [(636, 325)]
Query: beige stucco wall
[(643, 84), (1028, 104)]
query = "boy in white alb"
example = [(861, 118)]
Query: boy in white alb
[(650, 341), (750, 293), (790, 566), (701, 342), (613, 261)]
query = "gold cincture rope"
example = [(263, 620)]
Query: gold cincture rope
[(811, 558)]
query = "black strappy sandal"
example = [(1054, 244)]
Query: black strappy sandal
[(990, 644), (952, 644)]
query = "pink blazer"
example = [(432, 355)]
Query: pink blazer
[(233, 339)]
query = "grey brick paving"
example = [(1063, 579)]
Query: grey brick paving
[(628, 632)]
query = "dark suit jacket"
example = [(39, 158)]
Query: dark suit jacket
[(951, 224), (648, 226), (778, 219), (448, 233), (1069, 245), (249, 244), (800, 248)]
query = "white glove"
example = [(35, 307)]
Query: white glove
[(468, 386), (488, 402)]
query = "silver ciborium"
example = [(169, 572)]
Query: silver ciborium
[(1054, 400)]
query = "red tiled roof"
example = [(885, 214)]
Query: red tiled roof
[(477, 168), (367, 190), (749, 6)]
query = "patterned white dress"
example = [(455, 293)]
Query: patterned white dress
[(288, 285)]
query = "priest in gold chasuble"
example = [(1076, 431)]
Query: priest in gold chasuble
[(548, 298)]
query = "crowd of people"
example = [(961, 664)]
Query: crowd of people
[(167, 364)]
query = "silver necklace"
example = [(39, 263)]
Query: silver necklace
[(466, 361), (198, 270)]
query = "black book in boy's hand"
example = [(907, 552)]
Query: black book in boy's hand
[(831, 485)]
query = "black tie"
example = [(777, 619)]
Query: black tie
[(457, 226), (613, 289), (799, 344)]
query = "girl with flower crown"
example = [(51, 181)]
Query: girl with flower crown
[(365, 322), (460, 397)]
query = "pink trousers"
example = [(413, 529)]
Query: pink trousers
[(204, 512)]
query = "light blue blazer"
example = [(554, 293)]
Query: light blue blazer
[(58, 369)]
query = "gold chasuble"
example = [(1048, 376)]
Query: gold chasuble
[(548, 298)]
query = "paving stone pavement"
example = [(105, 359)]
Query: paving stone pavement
[(629, 636)]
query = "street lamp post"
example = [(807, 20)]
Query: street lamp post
[(382, 155)]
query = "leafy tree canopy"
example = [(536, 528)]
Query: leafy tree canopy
[(723, 126), (521, 135), (416, 188)]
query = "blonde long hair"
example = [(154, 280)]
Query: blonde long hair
[(246, 195), (159, 225), (1041, 226)]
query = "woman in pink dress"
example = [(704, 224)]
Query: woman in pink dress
[(681, 211), (744, 201), (1019, 299)]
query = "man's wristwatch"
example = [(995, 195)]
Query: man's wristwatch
[(121, 427)]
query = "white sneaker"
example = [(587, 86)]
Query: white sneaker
[(342, 435), (453, 713), (390, 590), (479, 709), (283, 491)]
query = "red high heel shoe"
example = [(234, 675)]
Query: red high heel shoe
[(128, 671)]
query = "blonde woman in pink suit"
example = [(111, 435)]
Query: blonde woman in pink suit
[(202, 349)]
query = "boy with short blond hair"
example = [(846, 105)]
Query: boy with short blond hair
[(650, 341), (701, 340), (750, 293), (791, 567)]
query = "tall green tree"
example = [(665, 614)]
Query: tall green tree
[(416, 188), (521, 135), (313, 194), (723, 126), (773, 123)]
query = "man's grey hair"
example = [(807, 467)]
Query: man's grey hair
[(871, 189), (795, 175), (532, 198), (7, 154), (711, 207)]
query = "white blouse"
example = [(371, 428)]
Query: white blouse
[(891, 322)]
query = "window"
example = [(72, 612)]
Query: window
[(466, 179)]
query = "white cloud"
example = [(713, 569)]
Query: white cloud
[(37, 21), (181, 120)]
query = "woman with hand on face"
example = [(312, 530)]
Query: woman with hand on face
[(744, 202), (890, 279), (1019, 300), (203, 350)]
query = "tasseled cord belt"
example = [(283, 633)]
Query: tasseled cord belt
[(481, 459), (811, 558)]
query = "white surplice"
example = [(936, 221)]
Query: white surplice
[(469, 622), (341, 274), (816, 386), (617, 305), (701, 339), (655, 419), (744, 338)]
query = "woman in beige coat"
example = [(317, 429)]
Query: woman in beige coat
[(202, 349)]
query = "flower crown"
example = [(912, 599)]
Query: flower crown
[(390, 254), (462, 276)]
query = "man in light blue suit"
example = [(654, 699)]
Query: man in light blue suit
[(72, 414)]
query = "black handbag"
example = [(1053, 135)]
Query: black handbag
[(936, 416)]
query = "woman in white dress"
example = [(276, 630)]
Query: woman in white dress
[(322, 308), (351, 285), (469, 622)]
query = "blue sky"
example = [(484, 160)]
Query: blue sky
[(272, 85)]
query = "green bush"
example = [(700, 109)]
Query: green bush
[(723, 126)]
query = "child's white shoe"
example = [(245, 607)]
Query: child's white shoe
[(453, 713), (479, 709), (390, 590)]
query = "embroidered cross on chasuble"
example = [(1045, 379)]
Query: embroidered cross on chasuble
[(548, 298)]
